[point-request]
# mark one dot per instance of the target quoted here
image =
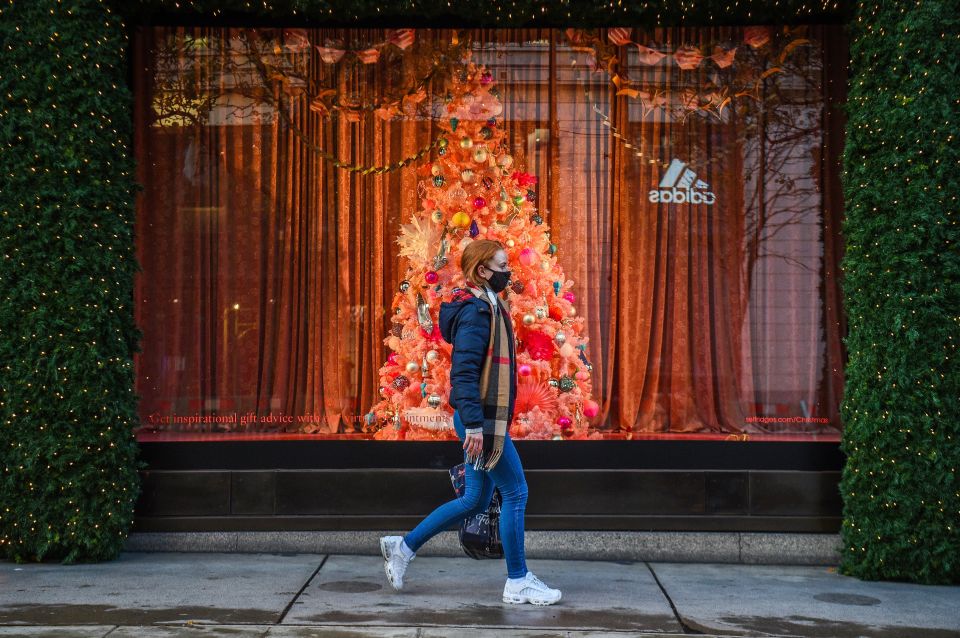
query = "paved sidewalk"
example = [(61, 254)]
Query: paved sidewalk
[(299, 595)]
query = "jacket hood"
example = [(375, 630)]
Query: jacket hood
[(450, 312)]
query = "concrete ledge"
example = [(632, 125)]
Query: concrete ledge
[(691, 547)]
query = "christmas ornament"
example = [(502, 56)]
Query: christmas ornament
[(441, 259), (554, 383), (401, 383), (541, 312), (536, 219), (590, 408), (501, 206), (569, 296), (479, 202), (553, 249), (412, 367), (460, 219), (392, 359), (517, 287), (438, 180), (474, 229), (435, 169), (564, 422), (524, 370), (560, 338), (538, 345), (442, 143), (531, 196), (528, 257), (431, 277), (505, 160), (488, 182), (486, 133), (423, 389), (432, 356), (511, 243), (466, 176), (528, 320), (423, 314), (397, 330), (567, 384), (433, 400), (556, 288), (437, 216), (480, 155), (453, 123), (404, 286), (466, 142), (518, 200)]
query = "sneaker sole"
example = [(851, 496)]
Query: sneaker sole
[(386, 566), (520, 600), (383, 548)]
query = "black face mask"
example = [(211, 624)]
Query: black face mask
[(499, 280)]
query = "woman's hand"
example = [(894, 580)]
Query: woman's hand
[(473, 445)]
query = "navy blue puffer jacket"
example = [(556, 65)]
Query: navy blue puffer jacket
[(466, 325)]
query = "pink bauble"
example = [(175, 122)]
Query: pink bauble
[(569, 296), (564, 422), (479, 202), (431, 277), (528, 257), (567, 351), (590, 409), (392, 359), (525, 370)]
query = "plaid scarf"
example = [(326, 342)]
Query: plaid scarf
[(495, 385)]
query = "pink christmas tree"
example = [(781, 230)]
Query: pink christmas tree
[(472, 190)]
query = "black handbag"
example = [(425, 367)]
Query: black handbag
[(479, 534)]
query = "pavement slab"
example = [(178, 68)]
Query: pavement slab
[(463, 592), (790, 600), (140, 588)]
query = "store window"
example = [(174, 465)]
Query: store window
[(686, 182)]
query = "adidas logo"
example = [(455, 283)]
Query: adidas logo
[(681, 186)]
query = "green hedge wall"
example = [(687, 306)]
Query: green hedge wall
[(68, 459), (901, 408)]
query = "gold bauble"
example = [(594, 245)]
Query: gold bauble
[(501, 206), (466, 142), (432, 356), (480, 155), (437, 216), (467, 176), (436, 169), (529, 320), (510, 243), (412, 367), (460, 219)]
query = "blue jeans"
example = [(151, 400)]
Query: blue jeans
[(507, 475)]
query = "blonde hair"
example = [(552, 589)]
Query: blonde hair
[(476, 253)]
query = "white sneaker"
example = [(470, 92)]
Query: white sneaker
[(394, 562), (531, 590)]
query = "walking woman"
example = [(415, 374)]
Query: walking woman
[(483, 390)]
